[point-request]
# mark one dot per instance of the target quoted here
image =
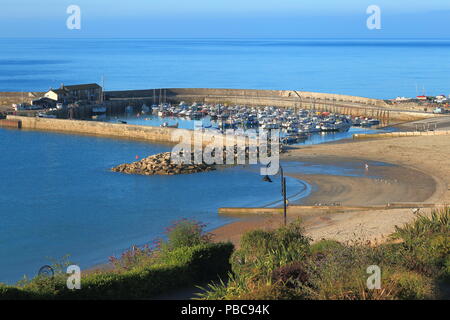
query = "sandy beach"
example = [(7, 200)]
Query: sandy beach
[(419, 174)]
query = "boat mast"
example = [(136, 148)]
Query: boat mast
[(102, 97)]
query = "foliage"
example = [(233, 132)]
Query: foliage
[(437, 222), (282, 264), (187, 257), (263, 251), (182, 233), (185, 266), (186, 233)]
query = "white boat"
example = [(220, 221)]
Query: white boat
[(145, 108), (44, 115), (167, 125), (292, 130), (20, 107)]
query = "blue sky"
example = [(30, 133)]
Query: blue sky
[(225, 18)]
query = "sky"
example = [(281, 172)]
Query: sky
[(226, 18)]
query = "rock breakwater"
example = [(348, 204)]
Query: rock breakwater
[(161, 164)]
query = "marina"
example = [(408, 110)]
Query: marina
[(295, 126)]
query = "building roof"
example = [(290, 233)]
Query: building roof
[(43, 99), (58, 91), (66, 89), (82, 86)]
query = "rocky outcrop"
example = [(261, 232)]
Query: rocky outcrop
[(161, 164)]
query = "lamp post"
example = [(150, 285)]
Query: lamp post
[(283, 192)]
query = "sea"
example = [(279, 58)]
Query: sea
[(58, 196)]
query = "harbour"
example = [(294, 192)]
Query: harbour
[(62, 197)]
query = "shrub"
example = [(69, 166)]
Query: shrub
[(281, 264), (13, 293), (183, 233), (412, 286), (133, 257), (264, 251), (186, 233), (446, 269), (184, 266), (437, 222), (324, 246)]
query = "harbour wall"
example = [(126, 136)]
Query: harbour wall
[(313, 210), (401, 134), (325, 102), (117, 101), (118, 130), (15, 124), (249, 94)]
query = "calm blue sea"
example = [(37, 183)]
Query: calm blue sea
[(375, 68), (57, 195)]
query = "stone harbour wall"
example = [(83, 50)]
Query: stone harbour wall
[(119, 130)]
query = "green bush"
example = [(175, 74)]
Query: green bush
[(446, 269), (325, 246), (264, 251), (185, 233), (13, 293), (412, 286), (183, 266), (423, 226), (281, 264)]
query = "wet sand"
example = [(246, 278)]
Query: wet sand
[(420, 174), (381, 186)]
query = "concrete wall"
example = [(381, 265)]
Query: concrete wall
[(154, 134), (126, 131), (250, 211), (351, 105), (16, 124), (402, 134), (247, 93)]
